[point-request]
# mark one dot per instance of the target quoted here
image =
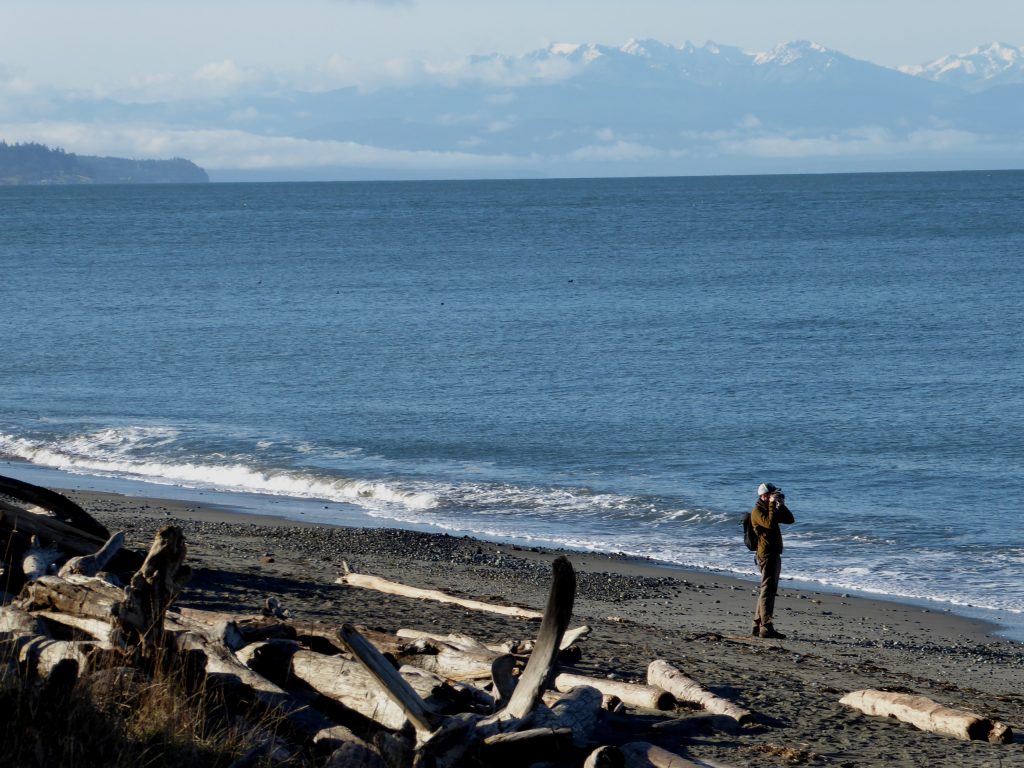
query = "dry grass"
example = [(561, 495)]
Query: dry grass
[(122, 717)]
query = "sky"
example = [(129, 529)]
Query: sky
[(82, 75), (105, 45)]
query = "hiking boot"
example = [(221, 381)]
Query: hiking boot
[(755, 631), (770, 633)]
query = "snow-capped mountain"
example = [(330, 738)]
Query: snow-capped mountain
[(976, 70), (711, 64), (644, 107)]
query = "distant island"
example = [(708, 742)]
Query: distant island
[(37, 164)]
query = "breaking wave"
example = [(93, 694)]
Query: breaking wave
[(147, 453)]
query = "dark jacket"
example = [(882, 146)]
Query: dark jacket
[(766, 517)]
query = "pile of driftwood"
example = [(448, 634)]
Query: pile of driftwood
[(354, 697)]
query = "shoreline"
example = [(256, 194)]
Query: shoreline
[(204, 511), (989, 621), (638, 611), (945, 623)]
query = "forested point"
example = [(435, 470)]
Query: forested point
[(33, 163)]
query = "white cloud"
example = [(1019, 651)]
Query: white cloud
[(869, 141), (235, 149), (500, 126), (244, 115), (454, 119), (221, 72), (504, 71), (501, 99), (617, 152)]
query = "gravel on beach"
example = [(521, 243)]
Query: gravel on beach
[(639, 611)]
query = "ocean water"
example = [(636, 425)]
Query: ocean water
[(601, 364)]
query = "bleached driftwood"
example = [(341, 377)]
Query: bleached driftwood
[(38, 559), (15, 621), (61, 534), (639, 754), (329, 739), (664, 675), (448, 661), (928, 715), (578, 710), (81, 596), (42, 656), (344, 680), (236, 631), (28, 638), (96, 630), (90, 565), (140, 614), (517, 647), (445, 741), (222, 668), (418, 712), (631, 694), (18, 525), (605, 756), (454, 639), (56, 504), (556, 618), (394, 588)]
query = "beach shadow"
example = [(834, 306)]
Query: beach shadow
[(229, 591)]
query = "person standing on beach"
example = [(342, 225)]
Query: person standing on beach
[(769, 512)]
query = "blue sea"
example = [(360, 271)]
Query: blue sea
[(608, 365)]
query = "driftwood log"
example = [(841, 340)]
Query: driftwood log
[(578, 710), (19, 525), (631, 694), (346, 681), (643, 755), (56, 504), (140, 614), (394, 588), (517, 647), (79, 596), (928, 715), (664, 675), (90, 565), (38, 559)]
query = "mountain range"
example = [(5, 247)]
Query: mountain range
[(642, 108)]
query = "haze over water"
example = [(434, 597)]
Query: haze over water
[(603, 364)]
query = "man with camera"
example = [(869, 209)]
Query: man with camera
[(769, 512)]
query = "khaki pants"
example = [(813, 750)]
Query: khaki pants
[(771, 569)]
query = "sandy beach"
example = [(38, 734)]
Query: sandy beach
[(639, 612)]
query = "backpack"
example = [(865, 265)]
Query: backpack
[(749, 534)]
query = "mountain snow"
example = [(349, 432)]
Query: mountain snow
[(976, 70)]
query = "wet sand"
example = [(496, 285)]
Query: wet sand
[(639, 611)]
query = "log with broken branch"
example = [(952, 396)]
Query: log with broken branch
[(665, 675)]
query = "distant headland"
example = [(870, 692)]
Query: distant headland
[(36, 164)]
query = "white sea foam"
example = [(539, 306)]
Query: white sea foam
[(110, 452), (576, 518)]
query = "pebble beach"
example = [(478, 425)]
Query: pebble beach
[(638, 611)]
